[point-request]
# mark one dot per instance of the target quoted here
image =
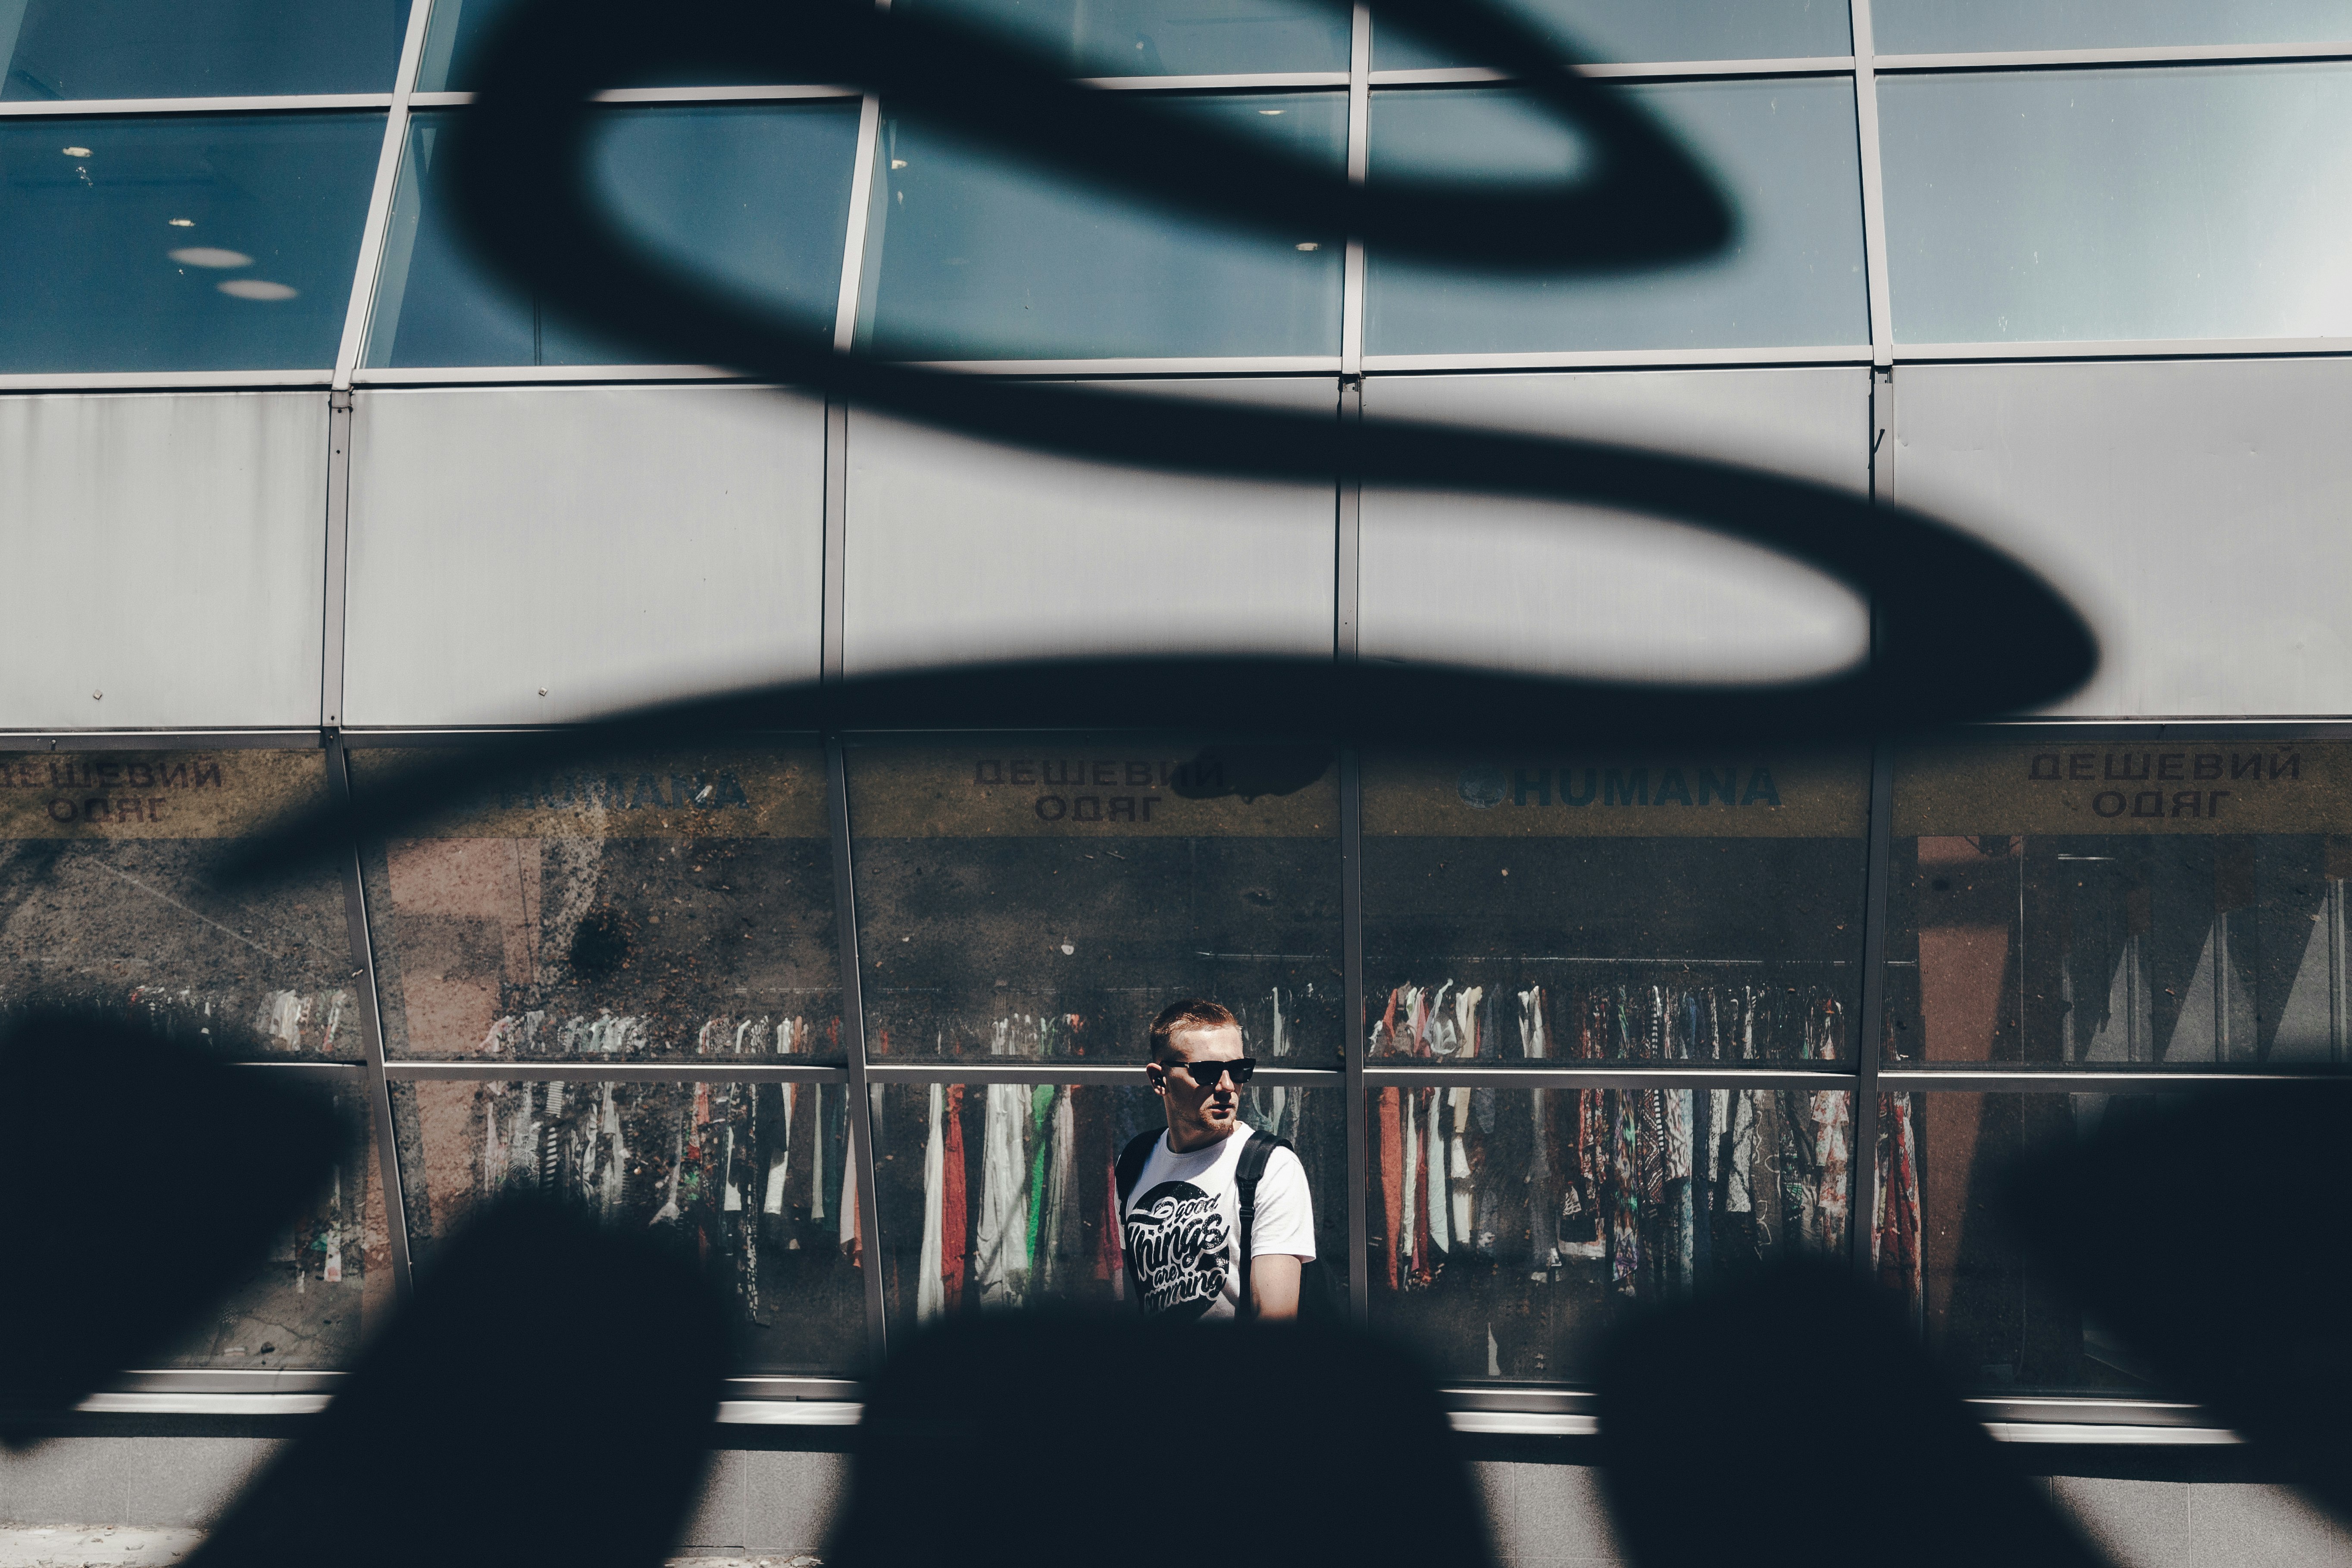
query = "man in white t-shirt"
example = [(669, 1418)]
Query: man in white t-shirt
[(1181, 1214)]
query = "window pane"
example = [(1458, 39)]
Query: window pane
[(749, 1179), (1937, 27), (997, 1195), (218, 242), (328, 1281), (972, 256), (454, 38), (756, 199), (1783, 150), (2092, 205), (644, 908), (1634, 30), (1669, 908), (1511, 1228), (199, 49), (1167, 37), (1048, 900), (108, 862), (2124, 904)]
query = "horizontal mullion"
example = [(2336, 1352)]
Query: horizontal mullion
[(2156, 54), (2076, 1080), (696, 1069), (305, 1070), (92, 108), (1601, 1075), (1270, 365), (1226, 81), (2123, 348), (523, 375), (1606, 359), (167, 379), (160, 740), (2153, 731), (1618, 70), (1036, 1069)]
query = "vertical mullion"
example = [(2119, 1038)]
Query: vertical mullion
[(1351, 1016), (1862, 1200), (1873, 185), (831, 647), (1359, 106), (379, 213), (853, 1018), (379, 1087), (334, 586)]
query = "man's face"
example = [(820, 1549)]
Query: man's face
[(1200, 1096)]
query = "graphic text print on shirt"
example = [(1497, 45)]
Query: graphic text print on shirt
[(1177, 1245)]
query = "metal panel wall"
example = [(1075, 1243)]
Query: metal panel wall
[(2195, 510), (1523, 585), (612, 545), (164, 554), (960, 549)]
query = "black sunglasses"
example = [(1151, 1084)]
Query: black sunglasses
[(1240, 1066)]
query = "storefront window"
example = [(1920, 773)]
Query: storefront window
[(1047, 898), (652, 908), (749, 1179), (109, 891), (2177, 903)]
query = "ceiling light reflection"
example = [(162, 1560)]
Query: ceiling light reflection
[(255, 288), (210, 255), (75, 152), (180, 222)]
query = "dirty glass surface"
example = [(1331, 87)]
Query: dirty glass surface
[(108, 874), (205, 242), (199, 49), (750, 1180), (1166, 37), (1937, 27), (1695, 905), (643, 908), (1045, 899), (753, 198), (327, 1280), (2174, 905), (1003, 1195), (1511, 1228), (1643, 30)]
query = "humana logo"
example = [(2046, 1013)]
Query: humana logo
[(1488, 786)]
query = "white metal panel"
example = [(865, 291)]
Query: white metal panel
[(163, 555), (2196, 511), (612, 545), (960, 550), (1513, 585)]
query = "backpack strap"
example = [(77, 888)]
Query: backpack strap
[(1247, 1171), (1126, 1173)]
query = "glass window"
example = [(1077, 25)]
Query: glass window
[(2100, 205), (1001, 1194), (751, 1180), (1785, 152), (2061, 904), (212, 242), (1047, 898), (1641, 30), (199, 49), (108, 869), (455, 39), (1511, 1228), (1940, 27), (646, 909), (754, 198), (1674, 908), (1167, 37), (973, 256)]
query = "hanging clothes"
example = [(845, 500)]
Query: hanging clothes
[(931, 1300), (955, 1220)]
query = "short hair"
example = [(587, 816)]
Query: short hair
[(1192, 1012)]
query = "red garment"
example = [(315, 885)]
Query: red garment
[(1391, 1136), (954, 1222)]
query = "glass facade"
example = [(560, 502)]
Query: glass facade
[(198, 48), (1624, 30), (1165, 38)]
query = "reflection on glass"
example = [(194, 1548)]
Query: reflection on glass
[(2102, 204), (1783, 151), (750, 1180), (2121, 904), (1637, 30), (1939, 26), (216, 242), (327, 1282), (997, 1195), (1165, 38), (198, 48), (1512, 1227), (753, 198), (642, 909), (1047, 899), (970, 255), (107, 868), (1689, 907), (455, 39)]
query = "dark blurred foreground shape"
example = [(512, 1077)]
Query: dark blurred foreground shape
[(1732, 1423), (547, 1397), (1104, 1441), (2212, 1237), (143, 1183)]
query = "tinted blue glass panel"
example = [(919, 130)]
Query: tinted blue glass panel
[(757, 197), (1934, 27), (1628, 30), (971, 257), (198, 48), (1784, 151), (2090, 206), (1169, 37), (455, 39), (214, 242)]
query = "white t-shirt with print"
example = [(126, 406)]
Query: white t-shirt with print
[(1182, 1225)]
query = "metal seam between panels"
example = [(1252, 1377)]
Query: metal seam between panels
[(1862, 1198), (853, 1008), (380, 197), (518, 1069), (1879, 305), (1352, 1019)]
